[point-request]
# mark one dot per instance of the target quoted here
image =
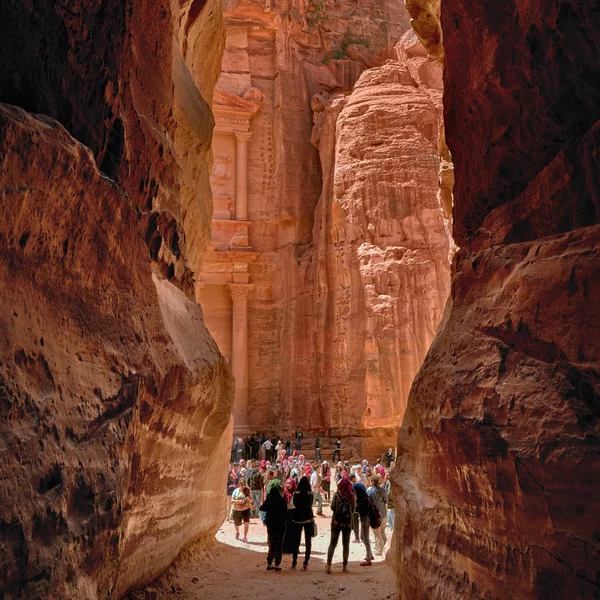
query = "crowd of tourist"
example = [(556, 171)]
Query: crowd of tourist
[(278, 485)]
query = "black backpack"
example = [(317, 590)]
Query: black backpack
[(343, 512), (374, 516)]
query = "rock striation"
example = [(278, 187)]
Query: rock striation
[(114, 399), (497, 479), (380, 262)]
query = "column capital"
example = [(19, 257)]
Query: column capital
[(239, 290), (242, 136)]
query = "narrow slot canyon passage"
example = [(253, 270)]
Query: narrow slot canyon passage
[(225, 222)]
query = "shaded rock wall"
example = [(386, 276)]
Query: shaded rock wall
[(497, 482), (114, 400)]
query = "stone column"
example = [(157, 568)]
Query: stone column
[(239, 355), (241, 175)]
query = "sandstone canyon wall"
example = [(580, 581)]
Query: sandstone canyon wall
[(114, 399), (497, 485), (344, 251)]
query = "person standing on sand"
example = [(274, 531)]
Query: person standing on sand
[(242, 503), (379, 498), (275, 509), (362, 509), (288, 495), (302, 521), (318, 456), (387, 486), (299, 436), (232, 481), (337, 445), (342, 507), (326, 475)]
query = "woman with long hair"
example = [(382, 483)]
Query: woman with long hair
[(302, 520), (342, 507)]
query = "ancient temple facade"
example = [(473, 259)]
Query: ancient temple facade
[(223, 286)]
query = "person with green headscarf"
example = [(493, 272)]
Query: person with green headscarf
[(275, 508)]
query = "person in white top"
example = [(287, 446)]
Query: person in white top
[(315, 484), (267, 445)]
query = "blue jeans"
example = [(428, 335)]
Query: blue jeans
[(257, 497), (318, 500), (391, 518)]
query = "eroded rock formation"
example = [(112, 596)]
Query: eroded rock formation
[(497, 481), (114, 399), (344, 253)]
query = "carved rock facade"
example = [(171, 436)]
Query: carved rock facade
[(343, 246)]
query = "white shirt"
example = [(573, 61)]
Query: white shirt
[(314, 480), (267, 445)]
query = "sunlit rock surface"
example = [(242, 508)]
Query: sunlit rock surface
[(114, 399), (497, 488), (350, 250)]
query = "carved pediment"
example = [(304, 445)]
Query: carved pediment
[(226, 102)]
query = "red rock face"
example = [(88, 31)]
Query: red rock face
[(381, 250), (497, 479), (114, 400), (350, 267)]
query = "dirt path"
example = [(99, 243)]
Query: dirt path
[(228, 570)]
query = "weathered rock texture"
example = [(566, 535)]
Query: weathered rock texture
[(114, 400), (380, 262), (351, 268), (497, 481)]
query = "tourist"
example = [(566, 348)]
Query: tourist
[(387, 486), (326, 477), (288, 448), (362, 509), (302, 520), (379, 497), (360, 475), (338, 472), (315, 484), (256, 483), (255, 447), (299, 436), (275, 509), (389, 457), (242, 503), (366, 469), (380, 470), (238, 450), (342, 507), (318, 449), (337, 449), (288, 496), (282, 452), (355, 515), (267, 445), (232, 482)]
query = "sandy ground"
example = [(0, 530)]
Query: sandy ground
[(227, 569)]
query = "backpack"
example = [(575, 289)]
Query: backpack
[(374, 516), (343, 512)]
